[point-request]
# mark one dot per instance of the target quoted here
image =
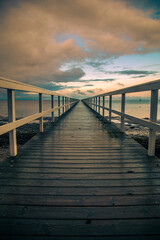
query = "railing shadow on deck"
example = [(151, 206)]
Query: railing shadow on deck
[(154, 86), (64, 104)]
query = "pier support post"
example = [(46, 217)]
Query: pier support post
[(59, 101), (41, 110), (110, 107), (103, 104), (122, 110), (153, 118), (99, 102), (52, 106), (63, 105), (96, 104), (12, 118), (65, 101)]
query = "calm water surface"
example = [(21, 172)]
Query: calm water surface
[(137, 108)]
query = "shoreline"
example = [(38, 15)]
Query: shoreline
[(27, 131), (24, 134)]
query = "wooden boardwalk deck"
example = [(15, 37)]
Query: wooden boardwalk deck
[(80, 180)]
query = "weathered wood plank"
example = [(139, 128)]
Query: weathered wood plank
[(80, 180), (104, 213), (97, 194), (80, 227)]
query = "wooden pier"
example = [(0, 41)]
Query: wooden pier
[(80, 180)]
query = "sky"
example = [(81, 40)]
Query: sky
[(80, 48)]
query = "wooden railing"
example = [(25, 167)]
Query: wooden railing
[(94, 103), (64, 103)]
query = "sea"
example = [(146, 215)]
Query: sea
[(136, 107)]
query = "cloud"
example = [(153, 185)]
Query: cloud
[(98, 80), (121, 84), (135, 72), (79, 92), (102, 80), (30, 51), (90, 91), (71, 75)]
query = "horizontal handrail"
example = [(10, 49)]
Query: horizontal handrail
[(143, 122), (20, 122), (153, 86), (12, 85), (15, 85)]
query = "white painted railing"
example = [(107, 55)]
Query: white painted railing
[(151, 124), (10, 127)]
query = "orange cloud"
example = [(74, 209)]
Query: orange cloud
[(28, 48)]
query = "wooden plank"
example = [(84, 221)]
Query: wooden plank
[(105, 213), (103, 191), (78, 168), (80, 227), (9, 237), (66, 198), (78, 175), (78, 181)]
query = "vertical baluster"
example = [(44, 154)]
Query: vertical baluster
[(59, 102), (12, 118), (41, 110), (122, 110), (110, 107), (65, 101), (103, 104), (52, 106), (99, 104), (63, 105), (96, 104), (153, 118)]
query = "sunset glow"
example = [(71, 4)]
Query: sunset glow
[(80, 47)]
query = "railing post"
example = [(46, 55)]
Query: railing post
[(63, 105), (110, 107), (96, 104), (12, 118), (59, 102), (153, 118), (52, 106), (41, 110), (103, 104), (66, 103), (99, 104), (65, 100), (122, 110)]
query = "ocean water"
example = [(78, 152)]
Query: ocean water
[(25, 108), (139, 108), (135, 107)]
